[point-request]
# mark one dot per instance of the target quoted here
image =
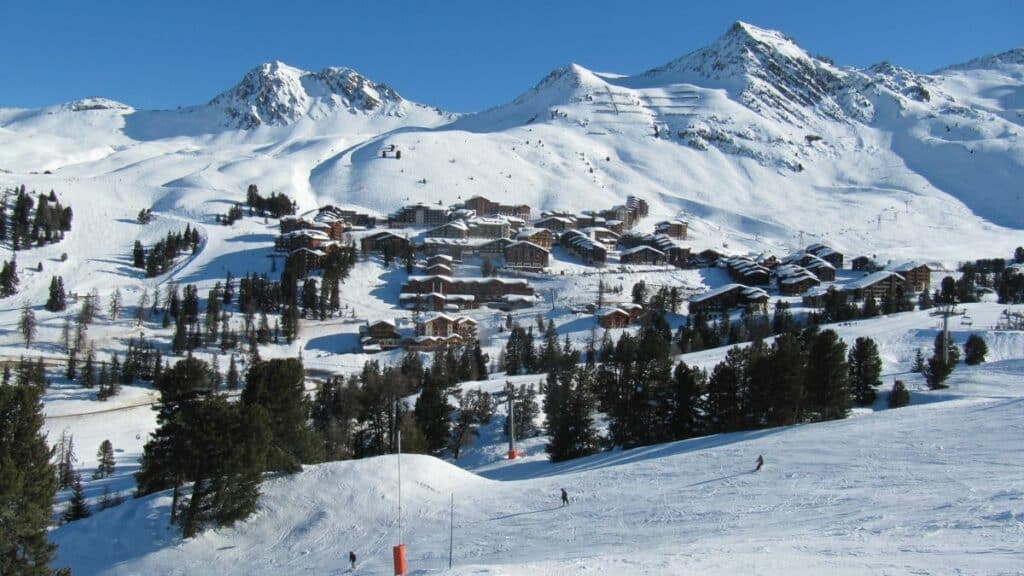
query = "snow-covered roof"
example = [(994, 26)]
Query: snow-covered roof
[(905, 266), (871, 279), (641, 248), (713, 293), (467, 280), (526, 243)]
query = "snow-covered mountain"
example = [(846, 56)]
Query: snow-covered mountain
[(276, 94), (753, 139)]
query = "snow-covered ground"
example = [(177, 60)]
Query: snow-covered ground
[(934, 488)]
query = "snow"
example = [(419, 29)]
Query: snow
[(931, 488)]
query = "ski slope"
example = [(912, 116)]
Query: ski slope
[(937, 487)]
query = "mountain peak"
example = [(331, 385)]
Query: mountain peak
[(274, 93), (764, 69)]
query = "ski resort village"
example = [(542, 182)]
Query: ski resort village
[(747, 312)]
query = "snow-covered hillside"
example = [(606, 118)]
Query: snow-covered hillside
[(751, 136), (932, 488)]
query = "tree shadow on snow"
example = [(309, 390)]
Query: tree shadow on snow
[(543, 469)]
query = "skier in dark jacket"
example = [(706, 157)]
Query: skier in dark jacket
[(565, 497), (760, 463), (352, 559)]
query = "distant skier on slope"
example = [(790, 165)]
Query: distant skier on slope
[(352, 559), (760, 463), (565, 497)]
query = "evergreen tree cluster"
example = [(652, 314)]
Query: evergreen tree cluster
[(222, 448), (276, 205), (360, 416), (234, 215), (995, 274), (159, 259), (57, 300), (33, 222)]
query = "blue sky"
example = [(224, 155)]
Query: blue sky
[(458, 55)]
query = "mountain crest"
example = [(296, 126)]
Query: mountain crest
[(276, 94)]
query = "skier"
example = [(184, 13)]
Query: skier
[(760, 463), (565, 497), (352, 559)]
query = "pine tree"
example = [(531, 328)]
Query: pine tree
[(919, 364), (899, 396), (232, 377), (114, 305), (277, 386), (89, 369), (432, 410), (77, 508), (27, 326), (105, 457), (828, 376), (937, 371), (9, 278), (57, 300), (138, 255), (975, 350), (27, 484), (865, 370)]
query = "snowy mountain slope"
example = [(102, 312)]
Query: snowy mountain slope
[(930, 488), (751, 137)]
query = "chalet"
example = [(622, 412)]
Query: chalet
[(613, 318), (484, 289), (585, 248), (439, 324), (642, 255), (442, 269), (485, 207), (675, 253), (794, 279), (513, 302), (602, 234), (617, 226), (379, 335), (540, 236), (418, 215), (556, 223), (877, 284), (438, 302), (457, 248), (865, 264), (381, 241), (313, 258), (302, 238), (744, 270), (441, 259), (495, 249), (453, 229), (821, 268), (634, 310), (827, 253), (527, 256), (729, 296), (488, 228), (672, 228), (918, 276)]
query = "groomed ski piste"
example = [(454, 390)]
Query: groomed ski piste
[(933, 488)]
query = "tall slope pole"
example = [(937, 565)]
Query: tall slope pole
[(398, 552)]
